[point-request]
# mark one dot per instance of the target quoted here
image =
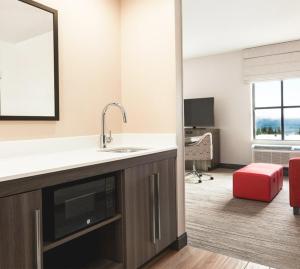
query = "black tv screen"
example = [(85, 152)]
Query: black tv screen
[(199, 112)]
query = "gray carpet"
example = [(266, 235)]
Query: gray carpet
[(264, 233)]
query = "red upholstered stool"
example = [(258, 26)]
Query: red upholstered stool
[(258, 181)]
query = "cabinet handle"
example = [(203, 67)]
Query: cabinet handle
[(38, 239), (158, 230), (153, 215)]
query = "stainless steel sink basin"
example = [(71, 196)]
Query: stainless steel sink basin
[(123, 150)]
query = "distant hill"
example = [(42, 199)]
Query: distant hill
[(292, 126)]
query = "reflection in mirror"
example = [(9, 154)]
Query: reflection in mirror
[(28, 61)]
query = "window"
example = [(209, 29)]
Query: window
[(276, 110)]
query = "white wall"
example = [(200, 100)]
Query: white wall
[(7, 71), (179, 120), (220, 76)]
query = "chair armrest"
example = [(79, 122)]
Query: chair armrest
[(294, 182)]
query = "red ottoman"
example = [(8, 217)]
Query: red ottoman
[(258, 181)]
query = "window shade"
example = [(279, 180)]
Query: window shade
[(272, 62)]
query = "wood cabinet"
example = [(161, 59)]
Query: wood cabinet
[(20, 233), (166, 171), (145, 224), (150, 210), (139, 246)]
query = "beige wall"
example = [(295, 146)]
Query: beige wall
[(90, 70), (148, 65), (220, 76), (152, 75), (90, 47)]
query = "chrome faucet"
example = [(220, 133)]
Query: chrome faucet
[(104, 140)]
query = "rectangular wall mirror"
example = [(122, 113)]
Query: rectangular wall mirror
[(29, 83)]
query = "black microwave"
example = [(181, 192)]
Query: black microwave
[(72, 207)]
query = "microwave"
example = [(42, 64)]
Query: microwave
[(72, 207)]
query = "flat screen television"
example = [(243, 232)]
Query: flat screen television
[(199, 112)]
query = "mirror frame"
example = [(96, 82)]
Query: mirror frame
[(56, 70)]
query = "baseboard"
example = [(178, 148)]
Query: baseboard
[(231, 166), (180, 242), (239, 166)]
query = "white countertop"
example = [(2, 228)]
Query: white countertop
[(18, 163)]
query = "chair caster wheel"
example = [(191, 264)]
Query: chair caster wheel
[(199, 181), (211, 178)]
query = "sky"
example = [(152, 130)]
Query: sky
[(269, 94)]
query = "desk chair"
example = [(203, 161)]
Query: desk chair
[(199, 148)]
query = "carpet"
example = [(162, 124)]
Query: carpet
[(264, 233)]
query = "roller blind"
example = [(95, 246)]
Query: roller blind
[(272, 62)]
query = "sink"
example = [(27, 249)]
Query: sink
[(123, 150)]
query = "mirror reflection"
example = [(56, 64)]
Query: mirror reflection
[(27, 62)]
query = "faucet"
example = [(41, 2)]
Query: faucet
[(107, 139)]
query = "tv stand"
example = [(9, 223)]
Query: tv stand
[(198, 131)]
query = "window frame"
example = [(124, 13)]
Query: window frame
[(281, 107)]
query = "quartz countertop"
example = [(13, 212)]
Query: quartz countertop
[(35, 162)]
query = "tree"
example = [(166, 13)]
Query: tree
[(258, 131), (278, 130), (270, 130), (264, 130)]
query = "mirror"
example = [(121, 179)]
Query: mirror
[(28, 61)]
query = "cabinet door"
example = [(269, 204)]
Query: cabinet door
[(139, 246), (20, 235), (166, 223)]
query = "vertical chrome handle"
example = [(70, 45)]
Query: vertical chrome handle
[(158, 230), (38, 240), (152, 201)]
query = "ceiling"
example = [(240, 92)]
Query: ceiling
[(20, 21), (218, 26)]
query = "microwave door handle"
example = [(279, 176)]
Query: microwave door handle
[(38, 240), (80, 196)]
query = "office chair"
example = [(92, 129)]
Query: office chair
[(199, 148)]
